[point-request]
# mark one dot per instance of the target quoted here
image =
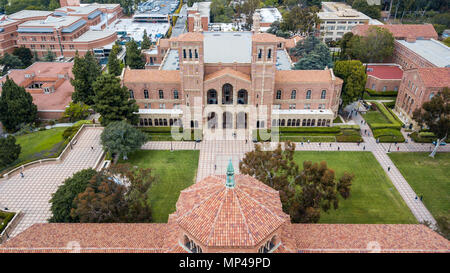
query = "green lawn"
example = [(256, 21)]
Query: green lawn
[(175, 171), (40, 144), (373, 199), (427, 176), (375, 117)]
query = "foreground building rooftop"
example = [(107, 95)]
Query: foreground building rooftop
[(431, 50), (401, 32), (233, 47), (385, 71)]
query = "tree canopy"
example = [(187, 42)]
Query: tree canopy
[(134, 58), (62, 199), (16, 106), (275, 29), (25, 55), (376, 46), (113, 64), (10, 62), (85, 70), (435, 114), (312, 54), (303, 193), (113, 101), (353, 73), (145, 44), (301, 20), (121, 138), (9, 150), (76, 111)]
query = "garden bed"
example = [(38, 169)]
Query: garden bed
[(165, 133), (384, 124), (5, 218)]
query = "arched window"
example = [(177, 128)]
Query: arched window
[(242, 96), (146, 94), (212, 120), (211, 96), (227, 94), (156, 122), (161, 94), (274, 122), (141, 122), (293, 94), (131, 94), (289, 122), (298, 123), (313, 122), (304, 122), (283, 122), (150, 122), (184, 53), (308, 122), (319, 122), (227, 119), (175, 94), (308, 94), (323, 95), (241, 122), (278, 95)]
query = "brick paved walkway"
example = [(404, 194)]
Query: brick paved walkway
[(32, 193)]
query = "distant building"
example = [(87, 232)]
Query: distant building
[(419, 85), (402, 32), (268, 16), (384, 77), (49, 85), (337, 19), (203, 8)]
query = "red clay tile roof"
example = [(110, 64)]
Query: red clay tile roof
[(151, 75), (435, 76), (57, 237), (230, 217), (266, 38), (290, 43), (365, 237), (227, 71), (385, 72), (45, 71), (302, 76), (426, 31), (190, 37)]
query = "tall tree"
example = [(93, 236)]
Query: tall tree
[(76, 111), (275, 28), (50, 56), (10, 62), (312, 54), (120, 138), (85, 70), (134, 58), (303, 193), (145, 44), (345, 45), (9, 150), (376, 46), (62, 199), (24, 54), (435, 114), (353, 74), (373, 11), (301, 20), (16, 106), (113, 101), (114, 195), (114, 63)]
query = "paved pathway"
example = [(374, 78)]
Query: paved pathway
[(32, 193)]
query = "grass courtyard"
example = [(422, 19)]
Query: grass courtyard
[(427, 176), (175, 171), (373, 199)]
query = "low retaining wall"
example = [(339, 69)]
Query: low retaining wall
[(11, 225)]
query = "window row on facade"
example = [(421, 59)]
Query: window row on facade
[(175, 94), (301, 122), (227, 95), (293, 94), (160, 122)]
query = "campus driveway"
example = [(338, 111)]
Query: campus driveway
[(31, 194)]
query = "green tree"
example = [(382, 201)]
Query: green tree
[(301, 20), (120, 138), (134, 58), (16, 106), (62, 199), (275, 29), (76, 111), (345, 46), (24, 54), (54, 4), (376, 46), (435, 114), (303, 193), (50, 56), (10, 62), (312, 54), (112, 100), (9, 150), (145, 44), (353, 74), (113, 64), (373, 11), (114, 195), (85, 71)]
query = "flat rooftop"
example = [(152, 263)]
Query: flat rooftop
[(385, 71), (227, 47), (135, 30), (270, 15), (431, 50), (283, 60), (52, 21), (172, 61), (24, 14), (92, 35), (342, 15), (202, 7), (158, 7), (76, 9)]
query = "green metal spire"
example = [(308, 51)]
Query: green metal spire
[(230, 176)]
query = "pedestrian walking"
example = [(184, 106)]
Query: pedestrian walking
[(320, 144), (421, 197), (215, 167), (302, 143), (361, 121), (389, 168), (92, 148), (398, 148), (365, 131), (246, 141), (364, 148), (330, 144), (21, 174), (339, 148), (308, 141), (416, 197)]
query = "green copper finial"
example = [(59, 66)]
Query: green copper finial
[(230, 176)]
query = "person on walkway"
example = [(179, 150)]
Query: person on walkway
[(416, 197), (398, 148), (364, 148), (21, 174), (395, 143), (421, 197), (246, 141), (320, 144), (302, 143), (92, 148), (389, 168), (215, 167), (330, 144), (361, 121), (308, 141), (339, 148)]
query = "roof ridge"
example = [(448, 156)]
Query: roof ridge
[(215, 220), (199, 204), (243, 216), (261, 205)]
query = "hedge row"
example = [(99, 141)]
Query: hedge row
[(381, 93), (388, 135), (303, 130), (165, 133), (6, 216)]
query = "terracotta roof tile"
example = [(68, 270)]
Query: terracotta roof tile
[(151, 75), (302, 76), (435, 76), (266, 38), (190, 37), (227, 71), (388, 72), (425, 31)]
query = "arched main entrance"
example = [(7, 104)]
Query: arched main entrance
[(212, 120), (227, 94), (242, 120), (227, 121)]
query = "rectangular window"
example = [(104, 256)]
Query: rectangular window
[(321, 106), (307, 106), (292, 106), (162, 106), (161, 94)]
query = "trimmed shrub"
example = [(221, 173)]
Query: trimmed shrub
[(374, 93), (307, 130), (6, 216)]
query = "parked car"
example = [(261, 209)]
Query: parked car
[(442, 143)]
